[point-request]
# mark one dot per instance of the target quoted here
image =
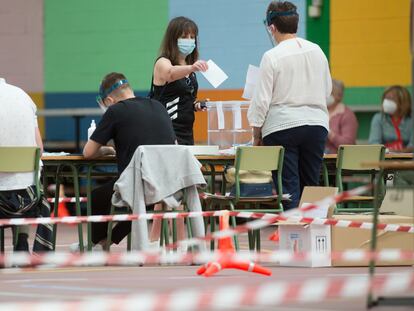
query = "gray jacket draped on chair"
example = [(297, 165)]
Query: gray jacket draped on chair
[(156, 173)]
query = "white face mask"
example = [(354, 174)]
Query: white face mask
[(330, 100), (389, 106)]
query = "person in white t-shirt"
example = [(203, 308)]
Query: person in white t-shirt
[(288, 107), (18, 127)]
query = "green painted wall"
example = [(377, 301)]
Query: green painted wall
[(317, 29), (78, 53)]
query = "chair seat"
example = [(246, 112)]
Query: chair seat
[(359, 198)]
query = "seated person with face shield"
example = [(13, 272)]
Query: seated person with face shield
[(129, 121), (392, 126), (343, 124)]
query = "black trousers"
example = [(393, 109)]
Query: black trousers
[(101, 205), (304, 147)]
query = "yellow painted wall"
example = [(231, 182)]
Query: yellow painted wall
[(39, 100), (369, 42)]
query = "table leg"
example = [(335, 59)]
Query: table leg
[(78, 209), (371, 301), (88, 205)]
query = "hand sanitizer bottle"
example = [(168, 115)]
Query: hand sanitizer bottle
[(91, 129)]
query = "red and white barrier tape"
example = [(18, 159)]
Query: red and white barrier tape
[(264, 219), (67, 200), (236, 296), (60, 260)]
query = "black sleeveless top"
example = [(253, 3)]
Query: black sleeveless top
[(179, 97)]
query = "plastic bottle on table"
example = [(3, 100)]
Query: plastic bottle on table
[(91, 129)]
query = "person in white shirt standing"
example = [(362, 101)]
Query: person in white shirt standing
[(288, 107), (18, 127)]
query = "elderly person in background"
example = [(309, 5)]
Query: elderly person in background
[(343, 124), (392, 126)]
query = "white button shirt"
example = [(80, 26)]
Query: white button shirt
[(293, 86), (17, 128)]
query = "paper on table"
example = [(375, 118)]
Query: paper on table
[(252, 77), (215, 75)]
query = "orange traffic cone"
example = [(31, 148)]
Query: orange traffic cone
[(274, 236), (62, 209), (225, 261)]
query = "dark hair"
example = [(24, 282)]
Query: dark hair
[(178, 27), (403, 99), (284, 24), (112, 78)]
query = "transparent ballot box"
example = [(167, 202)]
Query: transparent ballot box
[(227, 124)]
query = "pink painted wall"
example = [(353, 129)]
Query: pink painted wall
[(21, 43)]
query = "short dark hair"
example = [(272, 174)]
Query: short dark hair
[(176, 28), (284, 24), (112, 78)]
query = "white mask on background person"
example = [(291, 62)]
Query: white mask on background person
[(330, 100), (389, 106)]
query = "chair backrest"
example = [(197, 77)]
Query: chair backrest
[(260, 158), (20, 160), (350, 157)]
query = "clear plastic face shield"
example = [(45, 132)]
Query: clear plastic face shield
[(104, 93)]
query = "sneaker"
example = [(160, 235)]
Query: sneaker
[(74, 248), (97, 248), (154, 246)]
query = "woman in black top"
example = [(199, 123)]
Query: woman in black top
[(174, 82)]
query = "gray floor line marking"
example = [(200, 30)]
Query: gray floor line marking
[(77, 289)]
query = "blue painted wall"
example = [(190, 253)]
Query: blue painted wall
[(231, 33)]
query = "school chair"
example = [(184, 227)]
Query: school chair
[(348, 163), (258, 158), (19, 160)]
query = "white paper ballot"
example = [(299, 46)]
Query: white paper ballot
[(237, 118), (220, 115), (252, 77), (215, 75)]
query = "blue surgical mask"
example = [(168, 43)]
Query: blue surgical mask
[(186, 46)]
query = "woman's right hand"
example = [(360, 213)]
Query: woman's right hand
[(199, 65)]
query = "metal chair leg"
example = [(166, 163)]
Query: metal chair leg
[(258, 246), (2, 239), (234, 224), (56, 206)]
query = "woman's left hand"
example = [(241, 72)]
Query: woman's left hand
[(200, 105)]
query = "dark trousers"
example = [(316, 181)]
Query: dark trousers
[(304, 146), (101, 205)]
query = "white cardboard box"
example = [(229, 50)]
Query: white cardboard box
[(315, 239)]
